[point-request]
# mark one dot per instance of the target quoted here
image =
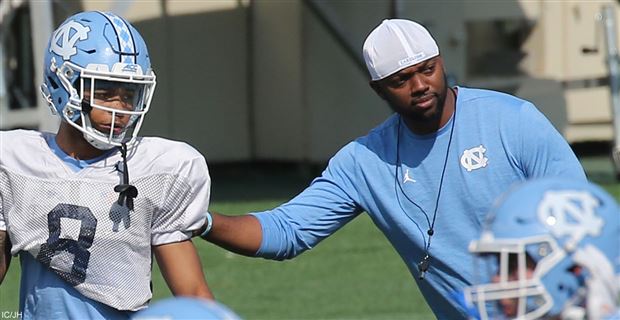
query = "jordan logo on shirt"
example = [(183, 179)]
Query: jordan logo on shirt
[(474, 158), (407, 178)]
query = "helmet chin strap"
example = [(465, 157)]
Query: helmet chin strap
[(91, 134), (95, 143), (127, 192)]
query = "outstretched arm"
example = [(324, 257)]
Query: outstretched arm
[(181, 268), (330, 202), (239, 234), (5, 254)]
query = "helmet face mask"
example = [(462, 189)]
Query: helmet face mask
[(550, 249), (514, 288), (99, 53)]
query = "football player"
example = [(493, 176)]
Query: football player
[(551, 250), (84, 227)]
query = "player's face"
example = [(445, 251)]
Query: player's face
[(417, 92), (116, 97), (509, 306)]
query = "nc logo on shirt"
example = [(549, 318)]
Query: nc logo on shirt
[(474, 158), (64, 39), (570, 214)]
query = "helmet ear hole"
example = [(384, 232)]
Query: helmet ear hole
[(52, 83)]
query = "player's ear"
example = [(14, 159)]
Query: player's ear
[(377, 88)]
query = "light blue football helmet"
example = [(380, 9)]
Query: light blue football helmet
[(552, 248), (186, 308), (92, 50)]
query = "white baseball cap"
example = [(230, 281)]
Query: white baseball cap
[(397, 44)]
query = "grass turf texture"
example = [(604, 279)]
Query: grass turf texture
[(354, 274)]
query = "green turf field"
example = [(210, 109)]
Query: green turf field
[(354, 274)]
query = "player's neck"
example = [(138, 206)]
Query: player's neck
[(72, 142)]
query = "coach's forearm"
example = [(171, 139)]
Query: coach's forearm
[(239, 234)]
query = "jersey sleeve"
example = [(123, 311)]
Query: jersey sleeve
[(544, 152), (185, 206), (317, 212)]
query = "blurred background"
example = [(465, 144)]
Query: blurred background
[(265, 80), (269, 90)]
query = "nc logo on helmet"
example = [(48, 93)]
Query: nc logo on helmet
[(570, 214), (64, 39)]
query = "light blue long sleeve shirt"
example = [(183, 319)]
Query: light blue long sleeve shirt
[(498, 140)]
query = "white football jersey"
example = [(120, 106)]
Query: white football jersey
[(71, 221)]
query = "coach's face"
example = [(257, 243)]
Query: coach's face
[(418, 93)]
